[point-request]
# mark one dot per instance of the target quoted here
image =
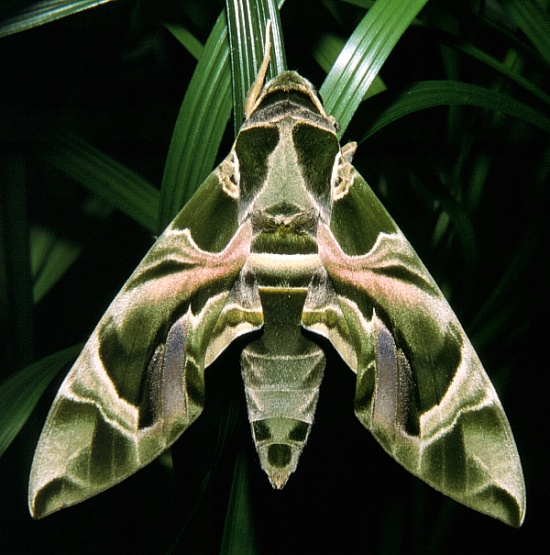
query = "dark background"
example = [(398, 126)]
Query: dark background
[(115, 76)]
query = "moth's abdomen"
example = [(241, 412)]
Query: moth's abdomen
[(282, 371), (281, 394)]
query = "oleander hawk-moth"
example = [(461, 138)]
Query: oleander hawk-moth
[(283, 236)]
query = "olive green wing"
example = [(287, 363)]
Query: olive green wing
[(421, 388), (139, 381)]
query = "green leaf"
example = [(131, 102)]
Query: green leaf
[(186, 39), (16, 328), (51, 257), (43, 12), (504, 70), (427, 94), (238, 533), (199, 127), (504, 308), (533, 20), (362, 57), (20, 393), (117, 184), (247, 26), (326, 51)]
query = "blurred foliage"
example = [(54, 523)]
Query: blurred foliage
[(109, 123)]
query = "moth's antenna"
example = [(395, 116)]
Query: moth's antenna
[(257, 87)]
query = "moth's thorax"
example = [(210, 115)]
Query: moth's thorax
[(286, 158)]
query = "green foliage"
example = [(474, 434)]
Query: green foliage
[(454, 139)]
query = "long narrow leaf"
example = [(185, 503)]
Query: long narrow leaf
[(427, 94), (247, 23), (105, 176), (504, 70), (238, 534), (39, 13), (186, 39), (20, 393), (534, 22), (51, 257), (327, 50), (524, 255), (199, 127), (365, 52), (16, 326)]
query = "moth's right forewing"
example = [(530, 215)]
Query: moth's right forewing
[(139, 381)]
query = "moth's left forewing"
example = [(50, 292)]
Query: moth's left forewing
[(139, 381), (421, 389)]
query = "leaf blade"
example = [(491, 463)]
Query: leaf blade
[(108, 178), (428, 94), (199, 127), (20, 393), (44, 12), (247, 27), (364, 54)]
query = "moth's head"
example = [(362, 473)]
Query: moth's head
[(293, 90), (292, 84)]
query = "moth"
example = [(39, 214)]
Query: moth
[(283, 236)]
